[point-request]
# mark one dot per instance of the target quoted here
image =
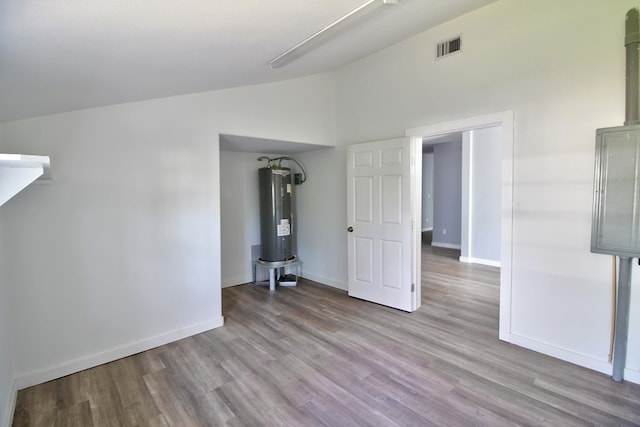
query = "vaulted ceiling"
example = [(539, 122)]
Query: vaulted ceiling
[(63, 55)]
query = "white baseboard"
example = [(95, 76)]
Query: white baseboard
[(235, 281), (90, 361), (445, 245), (236, 284), (571, 357), (6, 416), (325, 281), (631, 376), (480, 261)]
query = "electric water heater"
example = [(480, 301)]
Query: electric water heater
[(277, 234)]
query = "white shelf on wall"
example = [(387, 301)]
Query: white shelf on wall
[(17, 171)]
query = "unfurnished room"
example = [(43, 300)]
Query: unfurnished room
[(319, 213)]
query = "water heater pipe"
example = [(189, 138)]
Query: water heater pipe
[(280, 159)]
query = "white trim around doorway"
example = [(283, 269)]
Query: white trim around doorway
[(505, 119)]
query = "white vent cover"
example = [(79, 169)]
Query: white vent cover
[(448, 47)]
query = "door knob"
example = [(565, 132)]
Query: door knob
[(350, 229)]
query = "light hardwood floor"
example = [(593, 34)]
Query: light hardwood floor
[(310, 355)]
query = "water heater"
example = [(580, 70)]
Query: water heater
[(277, 234)]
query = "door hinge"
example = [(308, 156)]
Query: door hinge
[(413, 287)]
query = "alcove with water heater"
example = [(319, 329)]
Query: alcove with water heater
[(277, 249)]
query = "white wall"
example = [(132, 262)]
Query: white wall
[(121, 250), (482, 196), (239, 214), (7, 389), (561, 292), (447, 199), (6, 351), (427, 191), (322, 217)]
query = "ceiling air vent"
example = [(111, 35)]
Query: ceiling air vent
[(448, 47)]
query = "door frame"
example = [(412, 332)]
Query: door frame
[(505, 119)]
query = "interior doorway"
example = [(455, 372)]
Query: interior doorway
[(504, 121), (442, 189), (461, 193)]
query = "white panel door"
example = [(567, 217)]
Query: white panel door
[(381, 235)]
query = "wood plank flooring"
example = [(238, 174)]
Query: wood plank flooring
[(311, 356)]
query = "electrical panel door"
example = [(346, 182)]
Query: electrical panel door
[(616, 202)]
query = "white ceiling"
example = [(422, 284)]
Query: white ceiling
[(63, 55)]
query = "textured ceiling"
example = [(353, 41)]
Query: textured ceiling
[(62, 55)]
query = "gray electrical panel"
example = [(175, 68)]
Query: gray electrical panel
[(616, 201)]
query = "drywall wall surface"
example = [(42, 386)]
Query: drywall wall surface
[(120, 251), (322, 217), (427, 191), (485, 194), (239, 215), (633, 343), (447, 176), (7, 390), (561, 293)]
